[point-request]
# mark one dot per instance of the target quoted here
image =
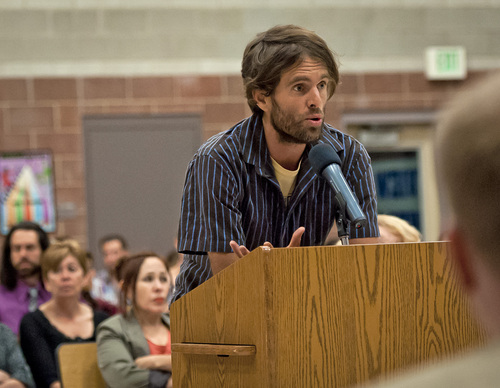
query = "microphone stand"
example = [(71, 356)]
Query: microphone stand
[(341, 219)]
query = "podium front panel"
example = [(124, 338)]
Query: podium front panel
[(324, 316)]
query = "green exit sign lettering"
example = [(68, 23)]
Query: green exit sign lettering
[(445, 63)]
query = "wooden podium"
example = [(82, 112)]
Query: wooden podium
[(321, 317)]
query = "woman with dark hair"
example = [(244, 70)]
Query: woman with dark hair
[(133, 348), (64, 318)]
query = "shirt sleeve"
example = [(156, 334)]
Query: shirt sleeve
[(16, 364), (210, 215), (116, 361), (36, 349)]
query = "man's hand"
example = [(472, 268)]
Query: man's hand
[(296, 237), (219, 261), (241, 250)]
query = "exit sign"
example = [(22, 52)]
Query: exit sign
[(445, 63)]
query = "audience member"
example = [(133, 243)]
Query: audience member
[(64, 318), (21, 289), (174, 261), (14, 372), (468, 166), (395, 230), (133, 348), (104, 285), (95, 303)]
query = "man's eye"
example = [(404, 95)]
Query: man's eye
[(298, 88)]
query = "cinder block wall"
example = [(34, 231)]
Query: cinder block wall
[(63, 59), (129, 37)]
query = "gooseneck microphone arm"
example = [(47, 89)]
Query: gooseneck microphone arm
[(325, 161), (341, 218)]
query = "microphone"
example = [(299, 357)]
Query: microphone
[(325, 161)]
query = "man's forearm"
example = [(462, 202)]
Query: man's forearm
[(364, 240), (219, 261)]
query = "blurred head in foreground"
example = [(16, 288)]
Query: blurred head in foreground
[(468, 168)]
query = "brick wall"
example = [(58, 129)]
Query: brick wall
[(47, 112)]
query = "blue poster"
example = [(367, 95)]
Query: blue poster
[(397, 181)]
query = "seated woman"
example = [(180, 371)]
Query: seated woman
[(133, 348), (395, 230), (64, 318), (95, 303), (14, 372)]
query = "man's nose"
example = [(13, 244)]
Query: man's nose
[(24, 252), (314, 98)]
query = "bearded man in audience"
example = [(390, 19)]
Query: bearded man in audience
[(21, 288)]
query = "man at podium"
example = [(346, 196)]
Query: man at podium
[(253, 184)]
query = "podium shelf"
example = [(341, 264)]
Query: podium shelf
[(223, 350)]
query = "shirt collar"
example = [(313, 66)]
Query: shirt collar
[(254, 146), (22, 291)]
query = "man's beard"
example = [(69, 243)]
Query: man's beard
[(26, 272), (291, 130)]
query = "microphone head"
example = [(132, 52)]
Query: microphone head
[(321, 156)]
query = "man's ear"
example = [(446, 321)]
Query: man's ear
[(263, 100), (463, 258)]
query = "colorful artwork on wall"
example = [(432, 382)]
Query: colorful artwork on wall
[(27, 189)]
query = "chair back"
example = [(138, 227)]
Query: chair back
[(77, 364)]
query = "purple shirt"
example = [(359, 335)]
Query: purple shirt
[(14, 304)]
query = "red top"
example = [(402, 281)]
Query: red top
[(160, 349)]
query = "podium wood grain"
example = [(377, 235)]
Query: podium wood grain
[(323, 316)]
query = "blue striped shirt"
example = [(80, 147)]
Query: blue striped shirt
[(231, 193)]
